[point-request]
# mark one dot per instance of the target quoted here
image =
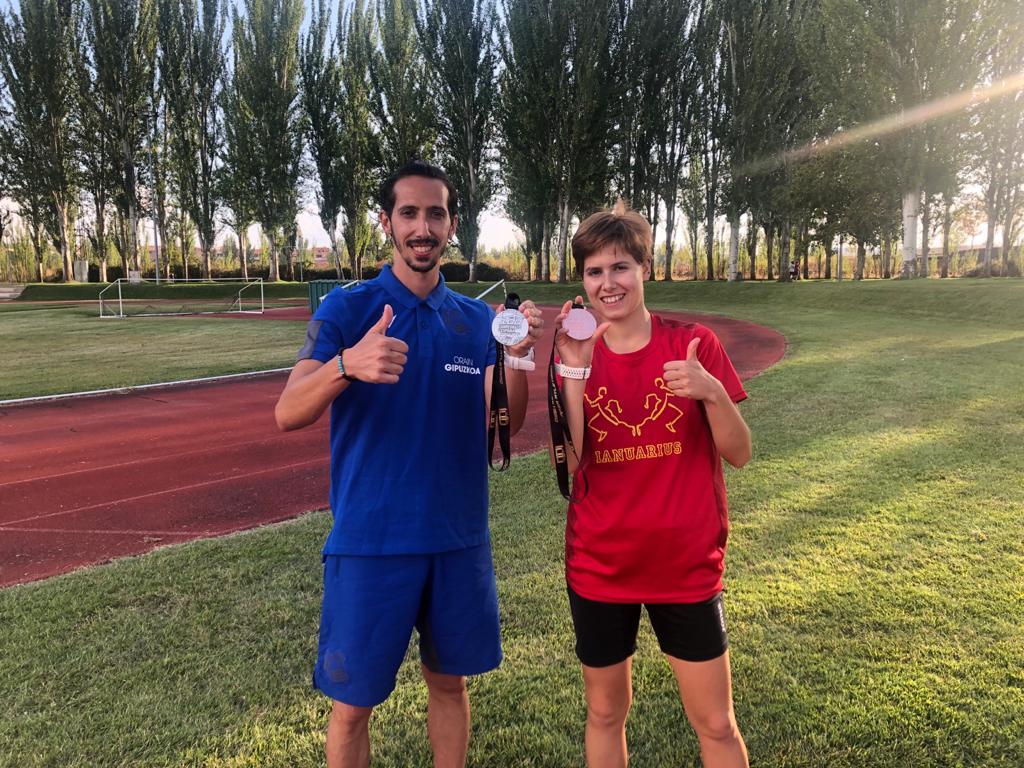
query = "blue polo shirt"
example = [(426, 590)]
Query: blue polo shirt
[(408, 460)]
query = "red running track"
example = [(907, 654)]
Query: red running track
[(85, 480)]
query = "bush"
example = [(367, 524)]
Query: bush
[(1012, 270), (458, 272)]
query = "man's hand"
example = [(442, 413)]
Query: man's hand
[(688, 378), (376, 358), (536, 322)]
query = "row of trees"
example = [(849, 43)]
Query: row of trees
[(808, 119)]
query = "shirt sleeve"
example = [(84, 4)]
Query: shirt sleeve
[(324, 336), (323, 340), (492, 345), (713, 357)]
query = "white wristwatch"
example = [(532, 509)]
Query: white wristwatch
[(570, 372), (524, 363)]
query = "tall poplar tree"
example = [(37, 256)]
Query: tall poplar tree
[(765, 89), (532, 50), (322, 105), (265, 109), (680, 93), (191, 67), (456, 37), (710, 117), (584, 116), (359, 158), (236, 175), (400, 98), (38, 136), (1001, 133), (98, 156), (121, 37), (653, 41)]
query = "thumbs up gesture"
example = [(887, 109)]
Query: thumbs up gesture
[(688, 378), (377, 358)]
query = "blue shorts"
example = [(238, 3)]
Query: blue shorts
[(371, 605)]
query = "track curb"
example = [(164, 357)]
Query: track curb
[(139, 387)]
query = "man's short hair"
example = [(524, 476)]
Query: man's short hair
[(620, 227), (386, 195)]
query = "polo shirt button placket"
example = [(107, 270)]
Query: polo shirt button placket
[(426, 339)]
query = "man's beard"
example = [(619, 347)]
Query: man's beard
[(409, 256)]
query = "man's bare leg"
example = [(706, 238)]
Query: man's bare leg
[(348, 736), (447, 718)]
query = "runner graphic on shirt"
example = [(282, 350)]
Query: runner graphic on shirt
[(655, 403), (661, 404), (606, 411)]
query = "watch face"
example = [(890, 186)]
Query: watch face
[(510, 327), (579, 324)]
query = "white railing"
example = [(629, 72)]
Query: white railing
[(500, 282)]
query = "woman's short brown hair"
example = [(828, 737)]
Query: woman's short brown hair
[(621, 227)]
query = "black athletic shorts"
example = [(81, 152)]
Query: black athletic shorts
[(606, 632)]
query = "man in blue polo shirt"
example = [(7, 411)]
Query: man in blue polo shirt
[(406, 366)]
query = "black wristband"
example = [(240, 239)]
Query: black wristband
[(341, 367)]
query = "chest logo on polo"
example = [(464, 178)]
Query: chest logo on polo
[(455, 321), (656, 406), (461, 364)]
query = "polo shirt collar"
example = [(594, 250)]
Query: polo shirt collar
[(406, 297)]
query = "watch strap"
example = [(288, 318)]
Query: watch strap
[(524, 363), (528, 356), (572, 372)]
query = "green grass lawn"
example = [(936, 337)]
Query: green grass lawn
[(52, 351), (875, 573)]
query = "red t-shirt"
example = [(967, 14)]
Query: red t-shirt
[(652, 524)]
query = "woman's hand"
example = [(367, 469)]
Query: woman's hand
[(573, 352), (688, 378)]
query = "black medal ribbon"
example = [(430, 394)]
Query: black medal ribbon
[(561, 437), (498, 419)]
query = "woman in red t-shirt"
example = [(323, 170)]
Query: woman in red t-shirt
[(651, 409)]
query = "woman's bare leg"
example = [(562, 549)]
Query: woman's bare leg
[(609, 694), (706, 691)]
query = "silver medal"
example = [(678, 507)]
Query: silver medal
[(579, 324), (510, 327)]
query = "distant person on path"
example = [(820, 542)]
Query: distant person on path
[(405, 365), (650, 405)]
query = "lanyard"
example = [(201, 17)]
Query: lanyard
[(498, 418), (561, 437)]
